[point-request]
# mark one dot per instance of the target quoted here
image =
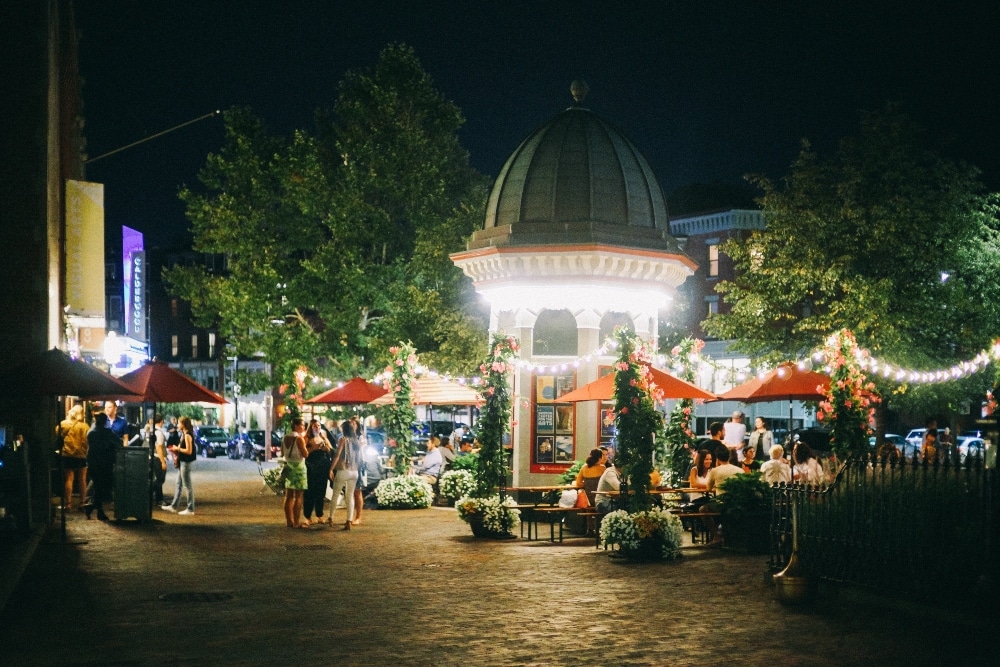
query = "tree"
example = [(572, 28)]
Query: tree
[(337, 242), (861, 241)]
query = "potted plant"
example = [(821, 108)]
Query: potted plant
[(653, 534), (489, 517), (745, 505), (486, 509), (456, 483), (405, 492)]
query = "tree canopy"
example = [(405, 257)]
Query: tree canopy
[(336, 242), (885, 238)]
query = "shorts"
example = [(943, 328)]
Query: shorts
[(73, 463)]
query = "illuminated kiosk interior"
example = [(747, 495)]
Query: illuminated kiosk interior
[(575, 242)]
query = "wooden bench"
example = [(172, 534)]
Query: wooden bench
[(551, 515), (703, 526)]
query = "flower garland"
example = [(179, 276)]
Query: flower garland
[(679, 439), (495, 414), (637, 421), (849, 407), (400, 415)]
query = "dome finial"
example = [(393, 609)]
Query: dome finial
[(579, 90)]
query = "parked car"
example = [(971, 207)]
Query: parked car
[(971, 446), (210, 441), (901, 443), (916, 437), (818, 439), (250, 445)]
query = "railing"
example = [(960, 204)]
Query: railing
[(917, 529)]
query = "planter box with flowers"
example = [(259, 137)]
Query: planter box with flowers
[(489, 517), (406, 492), (456, 483), (642, 536)]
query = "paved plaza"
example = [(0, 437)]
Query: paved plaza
[(233, 586)]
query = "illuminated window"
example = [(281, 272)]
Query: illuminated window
[(211, 345), (713, 261), (173, 307), (194, 346), (173, 345)]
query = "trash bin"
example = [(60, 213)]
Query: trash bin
[(132, 486)]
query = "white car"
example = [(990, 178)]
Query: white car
[(916, 437), (969, 446)]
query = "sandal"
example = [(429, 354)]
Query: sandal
[(305, 523)]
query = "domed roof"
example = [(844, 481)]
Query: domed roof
[(576, 179)]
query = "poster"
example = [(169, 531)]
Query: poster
[(545, 419), (544, 449), (545, 388), (564, 448), (564, 418)]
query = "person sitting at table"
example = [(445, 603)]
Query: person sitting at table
[(722, 471), (776, 470), (703, 463), (610, 481), (590, 474), (750, 462), (430, 467)]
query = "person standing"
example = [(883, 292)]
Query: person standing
[(102, 444), (293, 450), (735, 433), (319, 450), (73, 453), (159, 459), (116, 422), (761, 439), (186, 456), (344, 472)]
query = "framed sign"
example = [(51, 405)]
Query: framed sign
[(554, 427)]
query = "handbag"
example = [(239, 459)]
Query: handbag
[(582, 500)]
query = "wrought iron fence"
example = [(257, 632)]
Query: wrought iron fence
[(913, 528)]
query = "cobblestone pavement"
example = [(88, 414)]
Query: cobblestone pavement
[(233, 586)]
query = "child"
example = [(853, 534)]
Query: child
[(776, 470)]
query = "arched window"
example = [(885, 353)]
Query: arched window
[(612, 321), (555, 334)]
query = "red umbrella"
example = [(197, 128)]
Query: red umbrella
[(354, 392), (604, 389), (156, 382)]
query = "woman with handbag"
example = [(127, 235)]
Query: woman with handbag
[(317, 467), (344, 472), (293, 450)]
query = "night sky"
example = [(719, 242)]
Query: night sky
[(709, 91)]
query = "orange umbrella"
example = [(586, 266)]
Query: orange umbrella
[(787, 382), (604, 389), (354, 392)]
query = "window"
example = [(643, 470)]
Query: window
[(555, 333), (713, 305), (173, 346), (713, 261), (211, 346), (173, 308), (194, 346)]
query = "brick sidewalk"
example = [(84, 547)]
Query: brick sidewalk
[(232, 586)]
